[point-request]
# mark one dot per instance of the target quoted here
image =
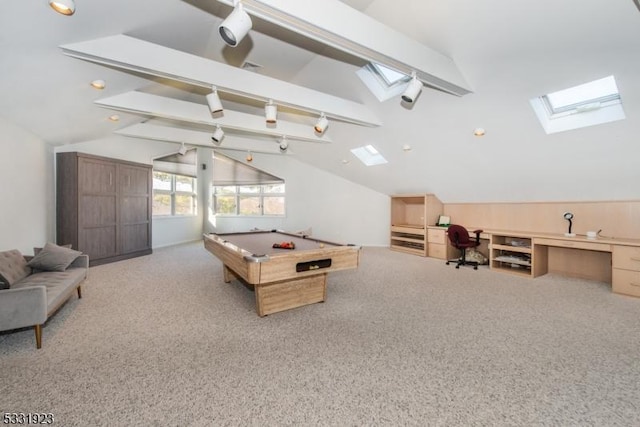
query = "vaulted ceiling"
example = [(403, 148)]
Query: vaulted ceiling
[(508, 52)]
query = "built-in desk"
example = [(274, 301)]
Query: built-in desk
[(612, 260)]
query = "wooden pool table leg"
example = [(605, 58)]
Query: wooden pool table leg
[(227, 274)]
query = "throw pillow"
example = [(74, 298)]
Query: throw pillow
[(13, 267), (54, 258), (37, 250)]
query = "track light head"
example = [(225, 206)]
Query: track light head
[(217, 136), (271, 112), (284, 144), (412, 91), (321, 124), (235, 27), (183, 150), (213, 100)]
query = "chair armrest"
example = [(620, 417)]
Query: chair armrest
[(23, 307), (81, 262), (477, 233)]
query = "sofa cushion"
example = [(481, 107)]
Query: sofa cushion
[(59, 284), (53, 258), (13, 267)]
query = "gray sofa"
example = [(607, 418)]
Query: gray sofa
[(32, 289)]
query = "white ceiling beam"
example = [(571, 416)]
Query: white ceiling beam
[(156, 132), (190, 112), (338, 25), (129, 53)]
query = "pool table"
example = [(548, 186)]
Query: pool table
[(281, 278)]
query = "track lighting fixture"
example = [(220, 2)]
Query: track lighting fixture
[(183, 150), (284, 144), (236, 26), (271, 112), (249, 157), (215, 106), (217, 136), (413, 89), (64, 7), (321, 124)]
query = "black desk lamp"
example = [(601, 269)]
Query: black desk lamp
[(569, 216)]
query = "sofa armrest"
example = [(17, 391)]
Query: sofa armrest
[(81, 262), (23, 307)]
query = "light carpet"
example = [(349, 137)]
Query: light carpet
[(403, 340)]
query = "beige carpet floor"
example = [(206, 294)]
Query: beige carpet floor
[(404, 340)]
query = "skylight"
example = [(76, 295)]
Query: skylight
[(580, 106), (369, 155), (590, 95), (390, 77), (383, 82)]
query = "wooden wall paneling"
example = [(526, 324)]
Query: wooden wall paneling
[(614, 218)]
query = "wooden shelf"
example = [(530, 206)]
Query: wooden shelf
[(511, 254), (410, 214), (408, 249)]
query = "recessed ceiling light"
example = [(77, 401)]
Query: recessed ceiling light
[(64, 7), (478, 132), (99, 84), (114, 117), (406, 147)]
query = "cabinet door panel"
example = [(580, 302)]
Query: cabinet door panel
[(134, 180), (134, 210), (134, 237), (97, 210), (98, 242), (96, 176)]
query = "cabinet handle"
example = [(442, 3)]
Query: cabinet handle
[(110, 178), (635, 259), (635, 284)]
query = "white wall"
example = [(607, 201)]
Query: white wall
[(336, 209), (28, 209)]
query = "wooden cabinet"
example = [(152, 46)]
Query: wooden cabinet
[(410, 215), (438, 245), (626, 270), (103, 206)]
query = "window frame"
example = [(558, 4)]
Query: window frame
[(174, 192)]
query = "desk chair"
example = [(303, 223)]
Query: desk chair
[(459, 238)]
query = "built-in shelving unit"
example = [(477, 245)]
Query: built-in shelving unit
[(410, 214), (512, 254)]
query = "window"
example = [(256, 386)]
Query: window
[(249, 200), (174, 195), (383, 82), (584, 105), (369, 155)]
